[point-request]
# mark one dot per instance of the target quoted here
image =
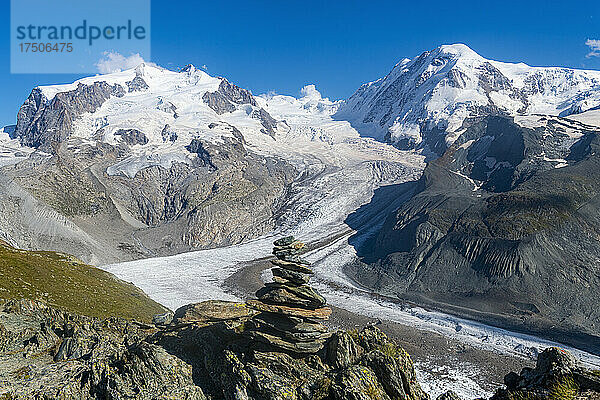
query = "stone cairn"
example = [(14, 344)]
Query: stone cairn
[(291, 312)]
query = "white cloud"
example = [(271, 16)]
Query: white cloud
[(115, 62), (594, 45), (310, 91)]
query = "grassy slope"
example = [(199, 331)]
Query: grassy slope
[(65, 282)]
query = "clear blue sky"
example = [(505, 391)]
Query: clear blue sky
[(283, 45)]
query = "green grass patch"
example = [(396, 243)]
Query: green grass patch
[(65, 282)]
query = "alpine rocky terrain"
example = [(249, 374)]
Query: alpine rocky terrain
[(273, 347), (500, 225), (121, 172), (503, 225)]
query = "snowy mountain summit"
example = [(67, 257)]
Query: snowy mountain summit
[(182, 160), (424, 102)]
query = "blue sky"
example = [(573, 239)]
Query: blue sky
[(282, 45)]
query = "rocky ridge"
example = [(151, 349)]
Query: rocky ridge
[(557, 375), (201, 354)]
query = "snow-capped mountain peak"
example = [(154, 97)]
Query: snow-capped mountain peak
[(424, 102)]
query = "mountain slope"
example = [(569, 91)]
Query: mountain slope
[(151, 162), (504, 229), (66, 283), (425, 103)]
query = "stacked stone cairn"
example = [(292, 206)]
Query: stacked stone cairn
[(290, 311)]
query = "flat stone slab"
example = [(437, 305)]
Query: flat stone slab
[(292, 266), (292, 276), (292, 291), (322, 313), (212, 311), (284, 241), (285, 323)]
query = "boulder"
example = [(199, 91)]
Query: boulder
[(555, 360), (342, 350), (212, 311), (449, 395)]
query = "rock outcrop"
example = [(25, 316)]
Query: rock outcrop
[(203, 354), (291, 311), (557, 375), (44, 123)]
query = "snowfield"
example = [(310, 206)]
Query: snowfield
[(11, 151)]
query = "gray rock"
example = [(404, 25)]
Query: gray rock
[(162, 319), (137, 84), (285, 241), (45, 124), (227, 96), (211, 311), (449, 395), (342, 350), (555, 360), (168, 135), (132, 136), (293, 266), (557, 374), (298, 278), (291, 295), (286, 323), (267, 121), (358, 383)]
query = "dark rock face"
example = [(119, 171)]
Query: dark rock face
[(44, 124), (132, 137), (227, 96), (496, 227), (168, 135), (137, 84), (269, 123), (50, 354), (557, 374)]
